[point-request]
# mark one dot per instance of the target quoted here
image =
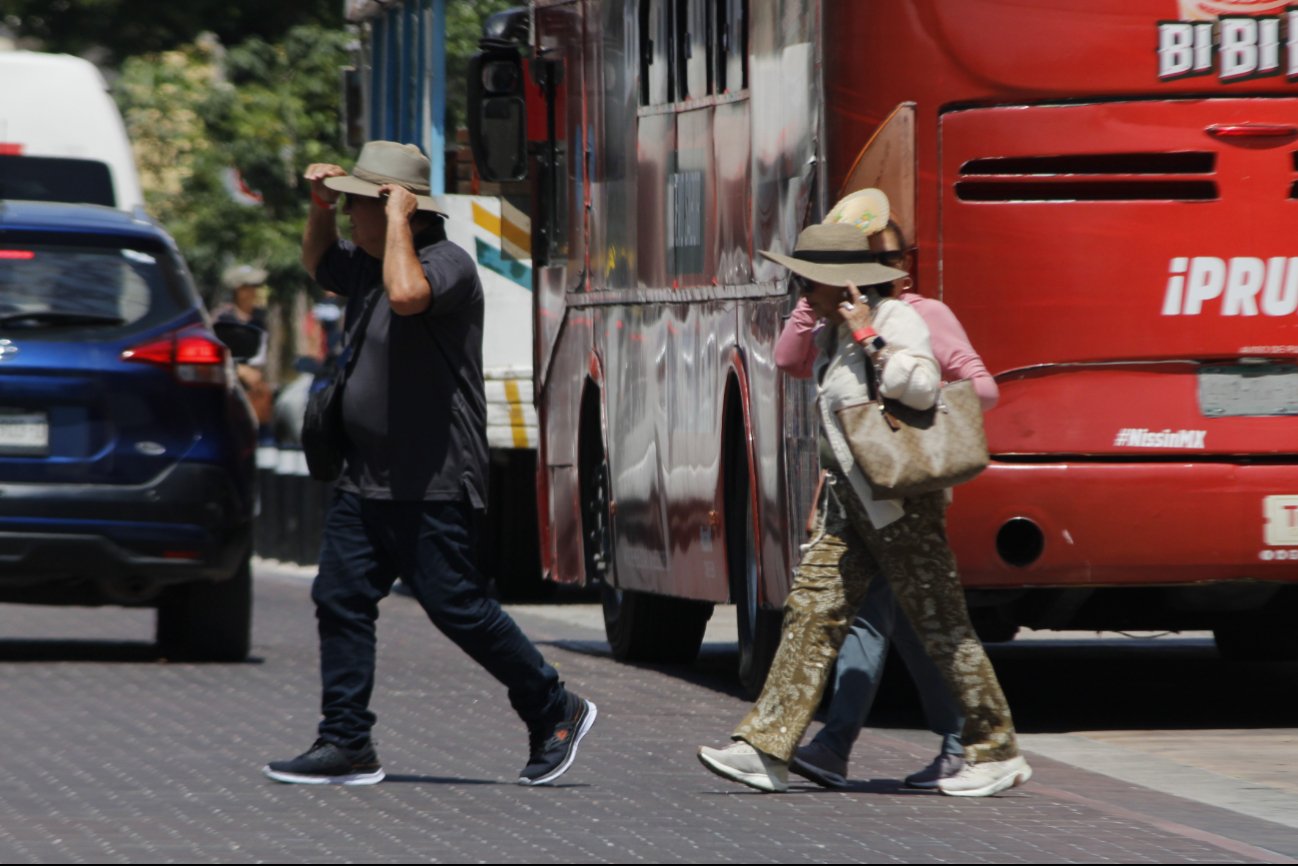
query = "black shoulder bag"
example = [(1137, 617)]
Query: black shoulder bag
[(323, 439)]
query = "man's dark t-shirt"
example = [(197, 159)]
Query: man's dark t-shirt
[(413, 407)]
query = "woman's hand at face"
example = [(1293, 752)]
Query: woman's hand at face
[(854, 310)]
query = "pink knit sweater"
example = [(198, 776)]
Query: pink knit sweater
[(795, 351)]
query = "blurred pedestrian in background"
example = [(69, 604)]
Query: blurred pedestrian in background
[(246, 305)]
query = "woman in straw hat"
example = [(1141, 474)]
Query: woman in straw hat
[(857, 535), (880, 623)]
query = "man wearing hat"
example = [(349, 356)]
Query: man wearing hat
[(414, 478)]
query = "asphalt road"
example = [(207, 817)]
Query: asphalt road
[(1145, 750)]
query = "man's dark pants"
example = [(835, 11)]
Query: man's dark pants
[(367, 544)]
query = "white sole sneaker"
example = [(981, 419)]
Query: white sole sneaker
[(748, 767), (297, 779), (588, 720), (986, 779)]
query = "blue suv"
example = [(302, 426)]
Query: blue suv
[(127, 448)]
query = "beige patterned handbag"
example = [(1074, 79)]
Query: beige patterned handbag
[(904, 451)]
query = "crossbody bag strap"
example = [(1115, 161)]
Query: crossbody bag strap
[(357, 335)]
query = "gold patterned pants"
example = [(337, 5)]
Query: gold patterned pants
[(913, 555)]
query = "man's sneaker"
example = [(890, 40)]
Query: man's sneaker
[(818, 763), (740, 762), (328, 764), (553, 747), (985, 779), (944, 766)]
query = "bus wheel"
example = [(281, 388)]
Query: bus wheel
[(759, 629), (653, 628)]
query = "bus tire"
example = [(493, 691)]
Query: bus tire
[(653, 628), (758, 628)]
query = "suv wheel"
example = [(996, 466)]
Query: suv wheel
[(208, 621)]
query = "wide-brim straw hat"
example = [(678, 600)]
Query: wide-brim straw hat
[(867, 209), (388, 162), (836, 254)]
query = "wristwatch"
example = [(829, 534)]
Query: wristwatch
[(869, 339)]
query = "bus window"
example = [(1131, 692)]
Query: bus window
[(729, 36), (693, 49), (657, 77)]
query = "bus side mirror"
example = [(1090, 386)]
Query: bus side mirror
[(497, 112)]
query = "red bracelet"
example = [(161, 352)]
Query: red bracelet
[(864, 334), (321, 203)]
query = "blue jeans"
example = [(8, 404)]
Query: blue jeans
[(860, 667), (367, 544)]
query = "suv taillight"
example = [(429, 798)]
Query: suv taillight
[(194, 358)]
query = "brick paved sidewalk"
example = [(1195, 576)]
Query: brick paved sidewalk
[(112, 755)]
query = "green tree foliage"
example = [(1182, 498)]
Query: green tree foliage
[(128, 27), (266, 109)]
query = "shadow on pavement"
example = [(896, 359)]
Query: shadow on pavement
[(713, 669), (1119, 683), (408, 779)]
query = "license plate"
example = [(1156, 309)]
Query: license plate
[(1248, 389), (24, 432)]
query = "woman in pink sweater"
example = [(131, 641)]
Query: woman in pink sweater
[(859, 537), (879, 622), (795, 351)]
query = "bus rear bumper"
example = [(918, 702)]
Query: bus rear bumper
[(1127, 524)]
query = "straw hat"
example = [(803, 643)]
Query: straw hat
[(384, 162), (867, 209), (837, 254)]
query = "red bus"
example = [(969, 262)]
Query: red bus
[(1100, 189)]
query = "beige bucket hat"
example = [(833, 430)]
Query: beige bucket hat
[(384, 162), (836, 254)]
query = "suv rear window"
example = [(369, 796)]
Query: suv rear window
[(44, 285), (48, 178)]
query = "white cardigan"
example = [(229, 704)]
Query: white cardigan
[(908, 373)]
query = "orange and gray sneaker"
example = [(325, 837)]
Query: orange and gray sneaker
[(554, 746)]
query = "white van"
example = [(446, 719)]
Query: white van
[(61, 135)]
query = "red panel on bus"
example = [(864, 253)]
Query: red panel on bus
[(1120, 231)]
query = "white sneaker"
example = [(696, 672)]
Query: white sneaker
[(740, 762), (987, 778)]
